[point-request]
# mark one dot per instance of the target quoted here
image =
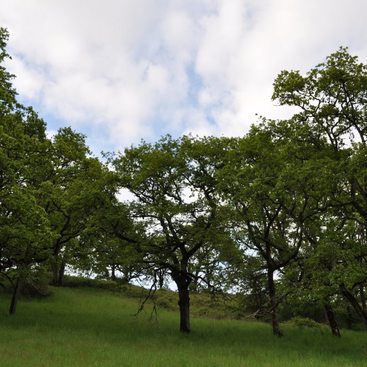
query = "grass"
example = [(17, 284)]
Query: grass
[(95, 327)]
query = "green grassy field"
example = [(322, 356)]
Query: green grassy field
[(95, 327)]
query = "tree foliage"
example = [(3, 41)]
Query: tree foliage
[(277, 215)]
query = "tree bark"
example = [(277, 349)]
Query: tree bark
[(113, 272), (363, 298), (60, 279), (184, 304), (160, 279), (55, 271), (354, 303), (349, 319), (22, 276), (15, 296), (58, 272), (273, 304), (330, 316), (183, 280)]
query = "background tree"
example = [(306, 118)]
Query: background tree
[(109, 246), (77, 186), (260, 223)]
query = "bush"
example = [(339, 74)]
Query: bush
[(126, 289), (305, 322), (36, 285), (76, 282)]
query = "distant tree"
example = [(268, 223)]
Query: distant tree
[(76, 187), (109, 246), (251, 183)]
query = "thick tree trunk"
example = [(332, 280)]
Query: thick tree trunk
[(330, 316), (55, 271), (60, 280), (15, 296), (354, 303), (58, 272), (273, 304), (184, 304), (349, 318), (183, 280)]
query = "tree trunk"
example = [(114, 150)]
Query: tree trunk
[(160, 279), (363, 298), (183, 280), (14, 299), (273, 303), (354, 303), (22, 276), (55, 271), (329, 313), (113, 272), (60, 279), (184, 304), (58, 272), (349, 319)]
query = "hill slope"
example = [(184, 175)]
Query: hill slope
[(95, 327)]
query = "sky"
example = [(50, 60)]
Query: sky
[(124, 70)]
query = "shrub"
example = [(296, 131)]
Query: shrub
[(305, 322), (36, 284)]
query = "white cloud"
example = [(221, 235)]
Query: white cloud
[(127, 70), (125, 196), (29, 79)]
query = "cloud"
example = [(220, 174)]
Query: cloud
[(126, 70)]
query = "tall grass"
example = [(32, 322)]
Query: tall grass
[(95, 327)]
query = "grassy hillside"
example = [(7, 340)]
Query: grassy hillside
[(95, 327)]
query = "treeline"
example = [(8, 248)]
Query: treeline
[(278, 215)]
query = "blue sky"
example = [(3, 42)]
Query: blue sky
[(122, 70)]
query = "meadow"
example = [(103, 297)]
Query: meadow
[(96, 327)]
